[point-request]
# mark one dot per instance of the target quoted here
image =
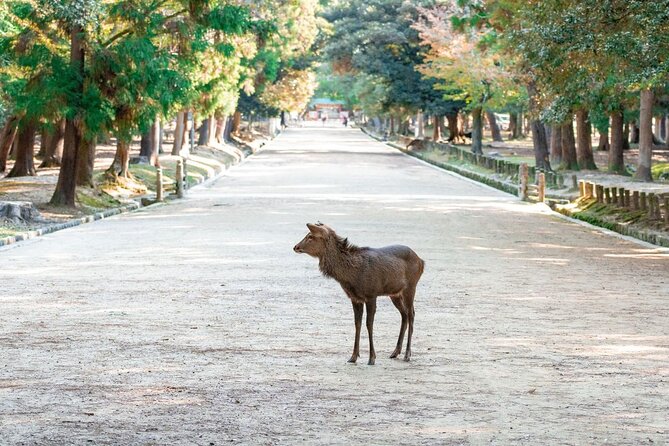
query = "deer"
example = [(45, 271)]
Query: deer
[(365, 274)]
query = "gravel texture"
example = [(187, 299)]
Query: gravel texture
[(195, 323)]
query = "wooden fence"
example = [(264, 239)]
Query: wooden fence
[(655, 206)]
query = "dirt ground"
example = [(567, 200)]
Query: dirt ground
[(195, 323)]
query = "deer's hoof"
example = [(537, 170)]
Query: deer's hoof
[(371, 361), (353, 359), (407, 358), (395, 353)]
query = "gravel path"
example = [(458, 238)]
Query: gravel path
[(195, 323)]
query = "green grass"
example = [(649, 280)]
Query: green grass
[(660, 171), (6, 231)]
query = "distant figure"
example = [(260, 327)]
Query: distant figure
[(324, 119), (283, 120), (345, 121)]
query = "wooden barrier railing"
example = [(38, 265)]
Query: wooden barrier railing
[(499, 165), (656, 206)]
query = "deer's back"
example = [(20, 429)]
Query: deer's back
[(386, 271)]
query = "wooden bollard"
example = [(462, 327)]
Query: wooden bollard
[(635, 200), (642, 201), (627, 199), (621, 197), (541, 186), (589, 192), (607, 195), (574, 183), (651, 205), (666, 209), (159, 184), (523, 175), (599, 192), (180, 178), (581, 189), (614, 195)]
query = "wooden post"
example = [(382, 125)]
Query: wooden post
[(581, 189), (635, 200), (607, 195), (666, 209), (642, 201), (621, 197), (573, 182), (159, 184), (614, 195), (651, 205), (541, 186), (600, 193), (589, 189), (627, 200), (524, 177), (180, 178)]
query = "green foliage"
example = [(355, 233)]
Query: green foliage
[(376, 39)]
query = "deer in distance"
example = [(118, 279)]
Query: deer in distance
[(365, 274)]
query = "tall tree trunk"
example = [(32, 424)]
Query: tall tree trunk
[(120, 165), (569, 159), (643, 172), (203, 134), (616, 160), (663, 129), (41, 153), (25, 155), (436, 128), (494, 128), (584, 154), (6, 140), (227, 133), (634, 133), (420, 125), (53, 145), (453, 131), (220, 130), (178, 133), (150, 143), (603, 144), (236, 122), (626, 136), (556, 145), (86, 162), (541, 156), (513, 125), (656, 127), (477, 130), (66, 187)]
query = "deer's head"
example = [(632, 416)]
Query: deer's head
[(314, 243)]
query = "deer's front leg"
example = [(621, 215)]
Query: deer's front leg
[(371, 311), (357, 313)]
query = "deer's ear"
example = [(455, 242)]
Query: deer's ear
[(315, 229)]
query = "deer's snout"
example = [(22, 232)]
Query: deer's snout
[(297, 249)]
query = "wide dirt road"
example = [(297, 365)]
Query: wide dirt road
[(195, 323)]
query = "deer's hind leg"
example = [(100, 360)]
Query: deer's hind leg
[(398, 302), (408, 303)]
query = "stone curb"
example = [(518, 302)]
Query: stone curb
[(130, 207)]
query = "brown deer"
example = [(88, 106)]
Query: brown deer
[(365, 274)]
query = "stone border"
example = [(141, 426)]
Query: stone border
[(130, 207)]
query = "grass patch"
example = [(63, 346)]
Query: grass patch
[(7, 231), (660, 171)]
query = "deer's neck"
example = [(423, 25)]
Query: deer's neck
[(339, 265)]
